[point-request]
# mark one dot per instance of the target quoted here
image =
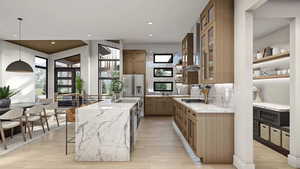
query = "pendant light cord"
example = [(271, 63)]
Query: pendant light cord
[(20, 20)]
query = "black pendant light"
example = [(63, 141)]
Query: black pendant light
[(19, 66)]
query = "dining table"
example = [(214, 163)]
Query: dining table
[(23, 105)]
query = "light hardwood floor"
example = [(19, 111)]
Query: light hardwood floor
[(158, 147)]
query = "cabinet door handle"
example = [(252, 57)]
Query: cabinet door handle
[(275, 131), (287, 135)]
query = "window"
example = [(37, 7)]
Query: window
[(163, 86), (41, 77), (163, 72), (163, 58), (109, 68)]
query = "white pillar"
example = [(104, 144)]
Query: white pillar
[(243, 83), (294, 156)]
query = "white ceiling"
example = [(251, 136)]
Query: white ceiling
[(266, 26), (103, 19)]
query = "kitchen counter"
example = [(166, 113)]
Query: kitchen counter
[(204, 108), (103, 131), (273, 106)]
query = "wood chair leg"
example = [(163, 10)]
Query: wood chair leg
[(29, 131), (11, 132), (56, 116), (46, 118), (3, 139), (42, 123), (22, 130), (32, 127)]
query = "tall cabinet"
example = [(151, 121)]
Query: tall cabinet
[(134, 61), (217, 42), (188, 60)]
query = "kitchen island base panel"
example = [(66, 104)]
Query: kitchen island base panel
[(103, 131)]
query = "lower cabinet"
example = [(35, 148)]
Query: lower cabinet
[(158, 106), (267, 129), (210, 135)]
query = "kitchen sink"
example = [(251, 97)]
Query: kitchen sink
[(193, 100)]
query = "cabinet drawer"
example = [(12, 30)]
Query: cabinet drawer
[(265, 132), (285, 140), (276, 136)]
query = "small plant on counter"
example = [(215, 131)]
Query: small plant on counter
[(79, 85)]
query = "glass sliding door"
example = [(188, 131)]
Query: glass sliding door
[(41, 78)]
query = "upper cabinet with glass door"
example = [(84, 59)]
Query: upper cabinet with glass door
[(216, 40)]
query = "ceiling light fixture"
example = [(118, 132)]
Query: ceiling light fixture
[(150, 23), (19, 65), (53, 43), (150, 35), (89, 35)]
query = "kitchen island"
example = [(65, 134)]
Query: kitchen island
[(103, 131)]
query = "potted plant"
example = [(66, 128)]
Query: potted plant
[(116, 86), (5, 95), (79, 85)]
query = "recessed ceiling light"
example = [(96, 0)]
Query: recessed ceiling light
[(52, 43), (150, 23), (14, 35), (150, 35), (89, 35)]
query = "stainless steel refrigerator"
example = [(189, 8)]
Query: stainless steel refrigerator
[(133, 85)]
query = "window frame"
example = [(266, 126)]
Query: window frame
[(100, 95), (46, 68), (169, 68), (159, 54), (157, 82)]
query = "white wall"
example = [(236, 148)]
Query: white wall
[(24, 82), (279, 39), (152, 48)]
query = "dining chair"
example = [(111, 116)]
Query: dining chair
[(10, 120), (52, 110), (34, 115)]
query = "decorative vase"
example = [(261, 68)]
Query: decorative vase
[(5, 103)]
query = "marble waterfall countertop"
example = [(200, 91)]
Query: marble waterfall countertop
[(103, 131), (204, 108)]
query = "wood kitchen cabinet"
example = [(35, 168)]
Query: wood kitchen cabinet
[(155, 105), (187, 50), (188, 60), (217, 42), (134, 61), (210, 135)]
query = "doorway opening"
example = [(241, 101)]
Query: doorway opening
[(67, 70), (271, 93)]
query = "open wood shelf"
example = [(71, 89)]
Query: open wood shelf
[(274, 57), (271, 77)]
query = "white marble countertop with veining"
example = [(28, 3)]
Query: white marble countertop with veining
[(204, 108), (273, 106), (103, 131)]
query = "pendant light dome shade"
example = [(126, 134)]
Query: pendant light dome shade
[(19, 66)]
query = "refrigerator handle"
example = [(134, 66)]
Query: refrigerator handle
[(133, 85)]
